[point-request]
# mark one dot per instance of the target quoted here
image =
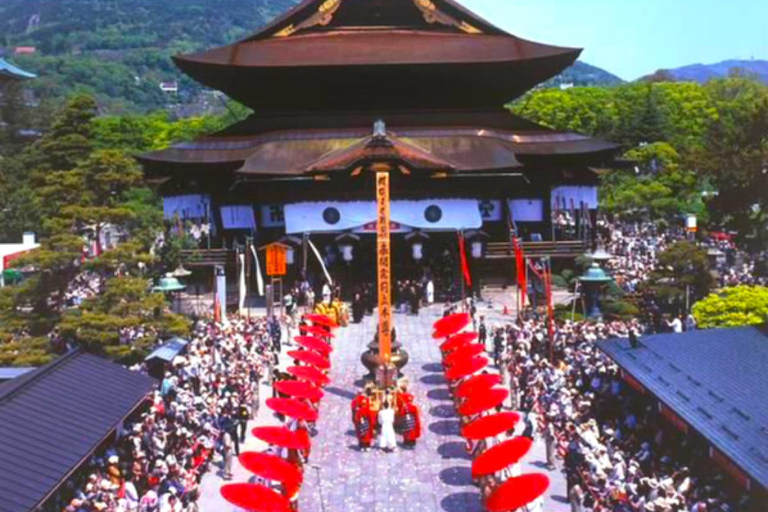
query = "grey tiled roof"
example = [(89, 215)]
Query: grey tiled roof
[(53, 418), (716, 380)]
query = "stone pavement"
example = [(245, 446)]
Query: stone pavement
[(435, 477)]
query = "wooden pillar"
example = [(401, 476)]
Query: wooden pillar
[(383, 264)]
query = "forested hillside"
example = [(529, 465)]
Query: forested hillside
[(119, 50)]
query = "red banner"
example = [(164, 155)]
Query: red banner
[(464, 263)]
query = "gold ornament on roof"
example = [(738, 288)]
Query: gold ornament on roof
[(433, 15)]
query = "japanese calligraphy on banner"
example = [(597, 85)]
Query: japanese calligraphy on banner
[(383, 266), (276, 263)]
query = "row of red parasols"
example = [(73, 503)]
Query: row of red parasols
[(299, 401), (479, 401)]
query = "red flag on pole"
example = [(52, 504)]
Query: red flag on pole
[(522, 284), (464, 263), (550, 300)]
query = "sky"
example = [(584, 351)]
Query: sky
[(633, 38)]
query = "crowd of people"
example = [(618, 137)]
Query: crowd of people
[(198, 416), (85, 285), (619, 455)]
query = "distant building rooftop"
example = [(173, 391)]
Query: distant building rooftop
[(715, 382), (53, 418), (10, 72)]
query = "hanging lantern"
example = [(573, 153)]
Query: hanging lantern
[(346, 252), (477, 249), (346, 245), (418, 251), (289, 256)]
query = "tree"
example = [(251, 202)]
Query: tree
[(124, 305), (736, 155), (733, 307), (682, 271)]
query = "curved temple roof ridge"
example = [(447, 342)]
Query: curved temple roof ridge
[(318, 14)]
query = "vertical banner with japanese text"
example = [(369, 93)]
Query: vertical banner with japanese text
[(383, 265)]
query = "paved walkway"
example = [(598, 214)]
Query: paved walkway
[(435, 477)]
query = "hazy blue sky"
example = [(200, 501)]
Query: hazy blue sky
[(632, 38)]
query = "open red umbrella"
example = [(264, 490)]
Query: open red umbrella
[(485, 401), (313, 343), (465, 352), (477, 384), (282, 437), (458, 340), (501, 456), (270, 467), (308, 357), (466, 368), (292, 408), (319, 319), (309, 374), (451, 324), (299, 389), (489, 426), (255, 498), (316, 330), (517, 492)]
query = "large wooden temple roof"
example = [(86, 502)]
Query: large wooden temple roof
[(347, 55), (459, 142)]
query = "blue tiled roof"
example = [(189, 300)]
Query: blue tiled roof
[(52, 419), (716, 380), (10, 71), (168, 350)]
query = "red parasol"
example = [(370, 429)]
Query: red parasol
[(270, 467), (313, 343), (477, 384), (323, 320), (299, 389), (459, 340), (313, 358), (466, 368), (501, 456), (316, 330), (282, 437), (489, 426), (451, 324), (517, 492), (464, 352), (292, 408), (310, 374), (255, 498), (486, 401)]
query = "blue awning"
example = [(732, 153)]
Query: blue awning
[(168, 350)]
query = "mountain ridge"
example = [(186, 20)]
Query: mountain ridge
[(702, 73)]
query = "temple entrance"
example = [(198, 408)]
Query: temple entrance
[(416, 259)]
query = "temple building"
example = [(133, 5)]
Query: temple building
[(339, 86)]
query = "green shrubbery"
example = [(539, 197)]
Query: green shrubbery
[(733, 307)]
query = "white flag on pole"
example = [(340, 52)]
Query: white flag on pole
[(259, 278), (320, 260), (241, 283)]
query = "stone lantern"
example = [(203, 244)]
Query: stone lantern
[(593, 281)]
